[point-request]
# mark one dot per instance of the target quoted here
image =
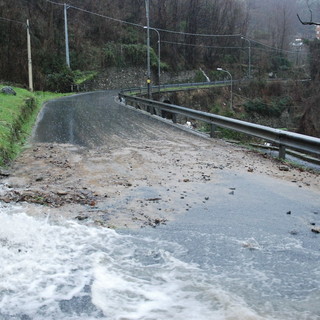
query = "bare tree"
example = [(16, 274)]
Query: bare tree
[(311, 22)]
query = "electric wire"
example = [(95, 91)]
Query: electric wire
[(11, 20), (177, 32), (200, 45), (142, 26)]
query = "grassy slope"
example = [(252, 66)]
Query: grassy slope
[(17, 120)]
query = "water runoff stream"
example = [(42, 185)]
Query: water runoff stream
[(218, 262), (236, 257)]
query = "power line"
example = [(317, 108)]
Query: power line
[(142, 26), (199, 34), (16, 21), (53, 2), (106, 17), (268, 48), (200, 45), (174, 32), (97, 14)]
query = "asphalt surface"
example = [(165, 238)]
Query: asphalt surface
[(252, 232), (94, 119)]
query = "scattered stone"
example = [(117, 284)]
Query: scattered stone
[(53, 199), (250, 169), (186, 180), (153, 199), (289, 212), (206, 198), (312, 223), (62, 193), (206, 177), (232, 192), (4, 173), (294, 232), (8, 90), (80, 218), (284, 168), (315, 230), (156, 222)]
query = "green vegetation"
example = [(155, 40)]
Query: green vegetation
[(81, 77), (61, 81), (17, 117), (260, 107), (124, 55)]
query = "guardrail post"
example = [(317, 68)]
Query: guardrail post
[(213, 130), (282, 151), (174, 118)]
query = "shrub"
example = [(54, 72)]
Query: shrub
[(60, 81), (260, 107), (199, 77)]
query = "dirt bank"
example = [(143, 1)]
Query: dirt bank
[(142, 184)]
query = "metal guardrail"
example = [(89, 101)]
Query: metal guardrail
[(191, 85), (175, 87), (279, 137)]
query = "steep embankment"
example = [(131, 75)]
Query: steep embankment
[(310, 122), (274, 104), (17, 117)]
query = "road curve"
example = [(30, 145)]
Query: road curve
[(95, 119), (240, 220)]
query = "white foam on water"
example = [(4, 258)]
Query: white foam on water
[(70, 271), (172, 290)]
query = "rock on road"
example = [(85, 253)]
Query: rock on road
[(100, 162)]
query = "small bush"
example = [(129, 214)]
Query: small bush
[(260, 107), (124, 55), (61, 81), (199, 77)]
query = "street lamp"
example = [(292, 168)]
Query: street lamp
[(231, 98), (159, 50), (148, 48), (249, 48)]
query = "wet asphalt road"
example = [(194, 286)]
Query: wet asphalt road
[(94, 119), (243, 232)]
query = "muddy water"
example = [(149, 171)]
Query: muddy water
[(243, 250), (226, 259)]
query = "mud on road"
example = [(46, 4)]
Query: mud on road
[(142, 183)]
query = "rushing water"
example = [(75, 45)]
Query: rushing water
[(71, 271)]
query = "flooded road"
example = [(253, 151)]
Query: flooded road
[(238, 244)]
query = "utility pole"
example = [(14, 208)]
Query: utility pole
[(148, 48), (29, 57), (249, 55), (66, 35)]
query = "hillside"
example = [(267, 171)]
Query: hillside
[(249, 38)]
